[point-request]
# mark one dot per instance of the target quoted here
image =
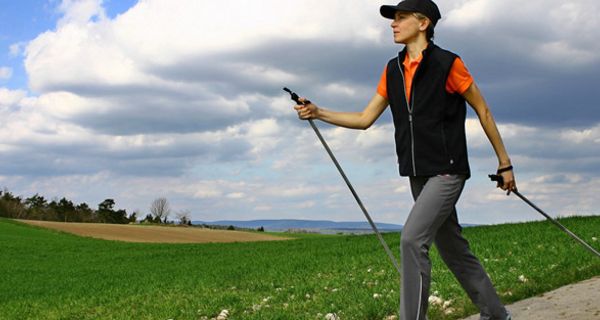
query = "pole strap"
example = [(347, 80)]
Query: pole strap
[(509, 168)]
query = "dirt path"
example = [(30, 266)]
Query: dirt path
[(157, 234), (579, 301)]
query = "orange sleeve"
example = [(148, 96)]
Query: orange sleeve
[(459, 79), (382, 86)]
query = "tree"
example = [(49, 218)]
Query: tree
[(84, 212), (134, 216), (10, 205), (36, 207), (107, 214), (120, 216), (184, 217), (149, 218), (35, 202), (65, 209), (160, 209), (105, 208)]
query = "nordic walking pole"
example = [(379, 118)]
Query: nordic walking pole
[(500, 180), (360, 204)]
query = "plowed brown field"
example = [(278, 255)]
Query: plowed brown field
[(156, 234)]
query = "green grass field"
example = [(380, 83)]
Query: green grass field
[(51, 275)]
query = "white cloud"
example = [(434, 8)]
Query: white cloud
[(543, 29), (470, 14), (120, 51), (183, 98), (80, 11), (16, 49), (11, 97), (5, 73)]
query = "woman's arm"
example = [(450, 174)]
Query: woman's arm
[(353, 120), (477, 102)]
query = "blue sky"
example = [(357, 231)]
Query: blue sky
[(182, 99)]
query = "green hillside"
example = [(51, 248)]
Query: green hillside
[(51, 275)]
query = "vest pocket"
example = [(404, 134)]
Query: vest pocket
[(446, 151)]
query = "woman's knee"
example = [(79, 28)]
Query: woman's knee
[(411, 242)]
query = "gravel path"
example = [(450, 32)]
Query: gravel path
[(579, 301)]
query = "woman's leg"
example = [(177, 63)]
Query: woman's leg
[(467, 269), (435, 198)]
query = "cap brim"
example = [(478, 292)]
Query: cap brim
[(390, 11)]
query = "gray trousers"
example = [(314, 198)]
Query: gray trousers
[(433, 219)]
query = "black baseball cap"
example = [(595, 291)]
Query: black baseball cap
[(425, 7)]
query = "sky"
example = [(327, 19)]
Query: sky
[(136, 100)]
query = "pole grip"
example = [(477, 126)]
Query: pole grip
[(295, 97), (497, 178)]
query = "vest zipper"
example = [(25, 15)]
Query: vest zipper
[(410, 108)]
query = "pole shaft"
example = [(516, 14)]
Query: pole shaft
[(558, 224), (360, 204)]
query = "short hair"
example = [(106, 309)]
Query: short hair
[(430, 32)]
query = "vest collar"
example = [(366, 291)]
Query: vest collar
[(402, 54)]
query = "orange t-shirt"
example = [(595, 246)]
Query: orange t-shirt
[(459, 79)]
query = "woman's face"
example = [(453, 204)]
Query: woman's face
[(406, 27)]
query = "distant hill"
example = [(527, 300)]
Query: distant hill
[(282, 225)]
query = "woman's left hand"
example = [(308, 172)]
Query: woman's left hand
[(509, 181)]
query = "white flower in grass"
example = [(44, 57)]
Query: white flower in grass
[(393, 317), (435, 300), (523, 279), (376, 296), (332, 316), (449, 311), (223, 315), (446, 304), (594, 239)]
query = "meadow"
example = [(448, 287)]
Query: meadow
[(47, 274)]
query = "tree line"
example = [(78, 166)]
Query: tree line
[(37, 207)]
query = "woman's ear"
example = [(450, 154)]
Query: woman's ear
[(424, 24)]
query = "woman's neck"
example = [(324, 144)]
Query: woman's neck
[(415, 48)]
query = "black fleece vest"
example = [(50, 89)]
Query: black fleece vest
[(429, 129)]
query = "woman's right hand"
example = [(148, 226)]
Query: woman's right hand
[(307, 111)]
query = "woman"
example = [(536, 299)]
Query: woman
[(427, 89)]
